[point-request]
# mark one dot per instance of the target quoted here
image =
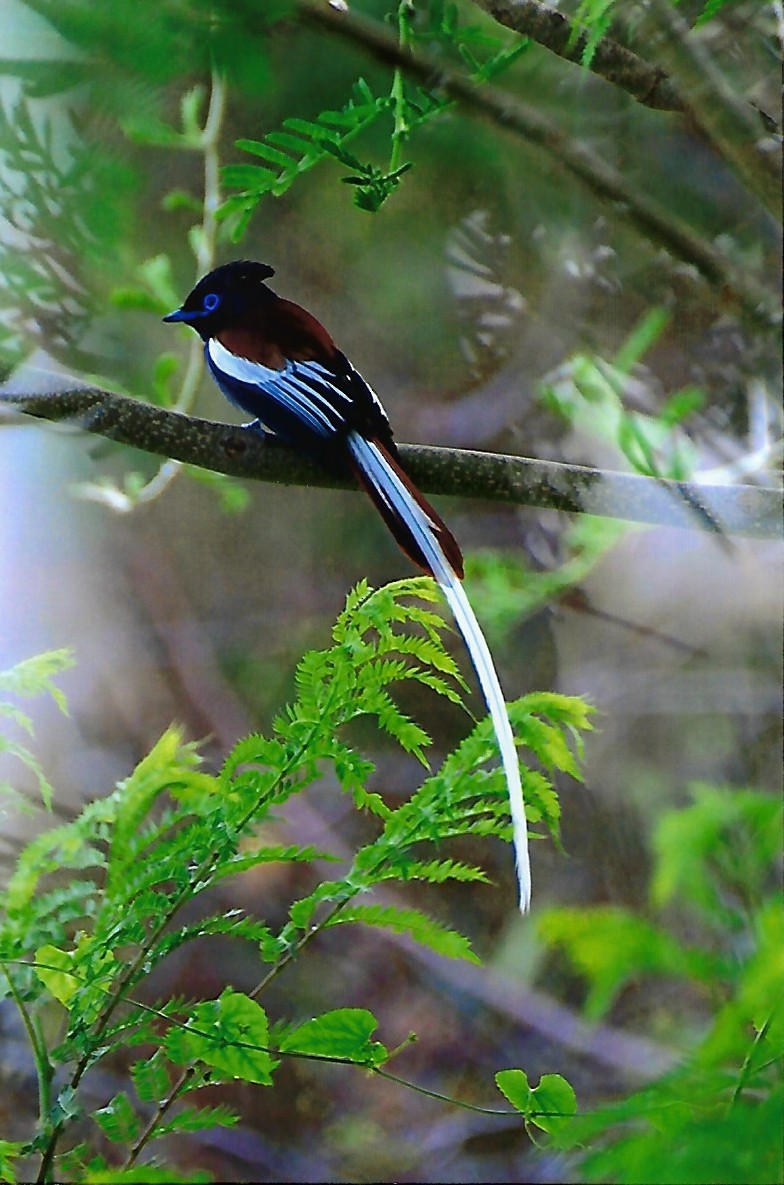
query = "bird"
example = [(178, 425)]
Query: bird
[(272, 359)]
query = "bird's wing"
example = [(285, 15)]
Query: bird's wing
[(306, 390)]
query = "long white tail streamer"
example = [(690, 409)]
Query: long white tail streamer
[(391, 489)]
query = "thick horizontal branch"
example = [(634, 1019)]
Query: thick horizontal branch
[(517, 481), (734, 287)]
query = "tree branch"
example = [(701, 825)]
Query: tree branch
[(616, 63), (517, 481), (731, 126), (612, 61), (734, 288)]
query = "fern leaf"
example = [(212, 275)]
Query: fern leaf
[(268, 151), (34, 676), (439, 871), (118, 1120), (423, 929), (151, 1079), (197, 1119)]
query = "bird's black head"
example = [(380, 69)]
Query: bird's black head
[(223, 296)]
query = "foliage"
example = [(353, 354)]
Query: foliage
[(171, 831), (305, 143), (717, 1114), (595, 19), (596, 398), (34, 676), (591, 395), (54, 197), (153, 94)]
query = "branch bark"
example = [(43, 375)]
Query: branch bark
[(612, 61), (646, 82), (518, 481), (734, 288)]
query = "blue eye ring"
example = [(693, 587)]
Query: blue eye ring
[(211, 302)]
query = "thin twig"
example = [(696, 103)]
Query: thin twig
[(204, 247)]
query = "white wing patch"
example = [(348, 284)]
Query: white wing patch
[(306, 389)]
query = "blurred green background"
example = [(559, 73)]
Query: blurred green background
[(487, 292)]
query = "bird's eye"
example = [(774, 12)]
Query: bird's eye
[(211, 302)]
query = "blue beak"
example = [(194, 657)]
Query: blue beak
[(180, 315)]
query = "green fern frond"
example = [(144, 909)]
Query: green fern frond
[(171, 831), (436, 872), (69, 846), (233, 923), (28, 678), (151, 1078), (197, 1119), (295, 150), (35, 676), (274, 854), (417, 925)]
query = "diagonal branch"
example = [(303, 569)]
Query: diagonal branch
[(612, 61), (727, 121), (734, 288), (644, 81), (517, 481)]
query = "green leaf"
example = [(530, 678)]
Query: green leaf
[(144, 1174), (9, 1151), (680, 405), (642, 338), (197, 1119), (549, 1106), (439, 871), (341, 1033), (299, 147), (118, 1120), (610, 946), (513, 1084), (311, 131), (712, 7), (267, 152), (231, 1034), (423, 929), (554, 1103), (249, 178), (723, 845), (33, 676), (169, 766), (53, 967), (23, 754), (151, 1078)]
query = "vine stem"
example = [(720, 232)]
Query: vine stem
[(43, 1066), (746, 1068), (405, 13)]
